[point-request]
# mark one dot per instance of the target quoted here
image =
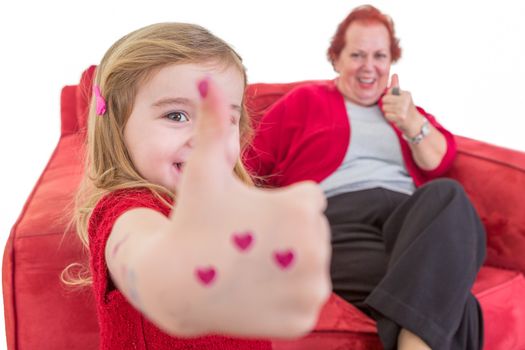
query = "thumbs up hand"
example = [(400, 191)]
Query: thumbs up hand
[(256, 262), (398, 108)]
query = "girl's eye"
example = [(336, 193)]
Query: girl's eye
[(179, 117)]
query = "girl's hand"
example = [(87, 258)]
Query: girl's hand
[(254, 262)]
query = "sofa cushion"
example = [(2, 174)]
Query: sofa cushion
[(501, 294), (342, 326)]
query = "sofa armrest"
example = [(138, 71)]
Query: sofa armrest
[(74, 104), (68, 110), (494, 179)]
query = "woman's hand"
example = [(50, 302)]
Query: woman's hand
[(248, 262), (399, 109)]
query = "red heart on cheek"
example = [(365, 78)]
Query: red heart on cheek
[(243, 241), (205, 275), (284, 258)]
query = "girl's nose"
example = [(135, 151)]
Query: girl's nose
[(190, 142), (187, 138)]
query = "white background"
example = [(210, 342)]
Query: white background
[(463, 61)]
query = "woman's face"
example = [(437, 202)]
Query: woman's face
[(364, 63)]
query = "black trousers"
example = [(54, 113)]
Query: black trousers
[(410, 262)]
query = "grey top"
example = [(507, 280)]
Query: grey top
[(374, 157)]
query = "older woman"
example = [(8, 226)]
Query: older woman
[(406, 247)]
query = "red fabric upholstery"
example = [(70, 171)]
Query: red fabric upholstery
[(40, 313)]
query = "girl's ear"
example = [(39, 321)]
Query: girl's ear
[(233, 150)]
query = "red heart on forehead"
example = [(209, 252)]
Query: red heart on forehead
[(205, 275), (284, 258), (242, 240)]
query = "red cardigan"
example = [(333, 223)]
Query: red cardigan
[(121, 325), (305, 136)]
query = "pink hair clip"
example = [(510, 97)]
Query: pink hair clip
[(100, 103)]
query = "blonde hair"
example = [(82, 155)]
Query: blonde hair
[(127, 64)]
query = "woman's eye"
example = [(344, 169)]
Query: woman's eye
[(354, 55), (381, 55), (179, 117)]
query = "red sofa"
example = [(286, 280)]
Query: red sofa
[(41, 313)]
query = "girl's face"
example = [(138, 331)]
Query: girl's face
[(159, 132), (364, 63)]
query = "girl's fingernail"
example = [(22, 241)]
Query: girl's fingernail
[(203, 87)]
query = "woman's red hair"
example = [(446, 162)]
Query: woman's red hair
[(367, 14)]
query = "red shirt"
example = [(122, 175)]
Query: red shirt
[(305, 136), (121, 325)]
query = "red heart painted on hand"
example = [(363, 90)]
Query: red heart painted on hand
[(284, 258), (243, 241), (206, 275)]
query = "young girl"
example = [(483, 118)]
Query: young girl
[(180, 245)]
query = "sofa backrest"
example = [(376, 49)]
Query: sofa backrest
[(493, 177)]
